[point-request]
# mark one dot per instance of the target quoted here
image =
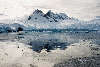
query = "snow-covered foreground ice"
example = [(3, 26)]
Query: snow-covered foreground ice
[(18, 49), (12, 56)]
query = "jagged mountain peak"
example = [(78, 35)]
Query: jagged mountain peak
[(37, 11), (49, 13)]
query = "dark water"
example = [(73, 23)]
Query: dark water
[(51, 40)]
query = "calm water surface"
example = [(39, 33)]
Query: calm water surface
[(51, 40)]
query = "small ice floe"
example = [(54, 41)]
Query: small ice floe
[(44, 51)]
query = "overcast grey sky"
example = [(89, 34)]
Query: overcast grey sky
[(82, 9)]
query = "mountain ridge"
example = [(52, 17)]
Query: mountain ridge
[(49, 16)]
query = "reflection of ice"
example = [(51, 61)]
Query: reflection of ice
[(48, 45)]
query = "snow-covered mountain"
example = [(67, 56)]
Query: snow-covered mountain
[(39, 20), (48, 17), (49, 20)]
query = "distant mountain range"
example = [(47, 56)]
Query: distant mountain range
[(48, 21)]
